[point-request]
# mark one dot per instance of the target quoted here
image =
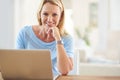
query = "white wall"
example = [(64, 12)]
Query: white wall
[(15, 14), (80, 14), (103, 23), (25, 13), (115, 15), (6, 24)]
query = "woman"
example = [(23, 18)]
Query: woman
[(49, 34)]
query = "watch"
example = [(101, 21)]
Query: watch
[(59, 42)]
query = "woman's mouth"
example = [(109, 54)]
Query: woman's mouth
[(50, 24)]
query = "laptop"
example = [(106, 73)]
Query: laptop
[(26, 64)]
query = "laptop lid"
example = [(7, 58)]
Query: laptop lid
[(26, 64)]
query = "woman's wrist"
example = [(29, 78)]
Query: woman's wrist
[(59, 42), (58, 38)]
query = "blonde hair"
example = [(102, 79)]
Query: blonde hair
[(61, 22)]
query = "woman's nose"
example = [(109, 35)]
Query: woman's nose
[(49, 18)]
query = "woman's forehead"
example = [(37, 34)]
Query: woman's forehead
[(50, 7)]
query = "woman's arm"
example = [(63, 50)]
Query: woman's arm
[(64, 63)]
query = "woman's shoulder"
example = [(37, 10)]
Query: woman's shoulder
[(28, 28), (67, 37), (24, 28)]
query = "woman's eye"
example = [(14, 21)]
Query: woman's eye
[(54, 14), (45, 14)]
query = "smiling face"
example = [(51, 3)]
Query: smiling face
[(50, 15)]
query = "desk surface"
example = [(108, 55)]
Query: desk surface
[(78, 77)]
